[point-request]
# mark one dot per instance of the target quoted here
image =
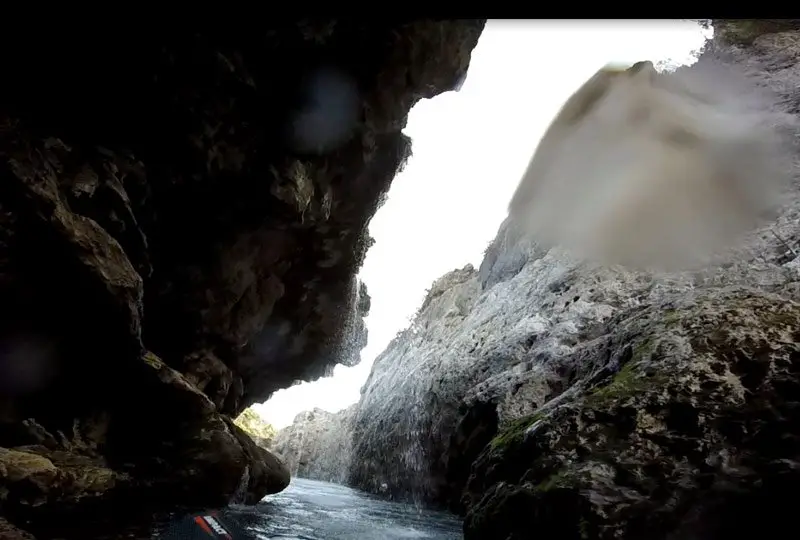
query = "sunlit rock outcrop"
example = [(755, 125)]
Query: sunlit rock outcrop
[(182, 214), (317, 445), (543, 396), (260, 431)]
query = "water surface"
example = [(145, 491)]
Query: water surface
[(313, 510)]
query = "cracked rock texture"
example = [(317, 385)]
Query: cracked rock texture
[(547, 398), (182, 214)]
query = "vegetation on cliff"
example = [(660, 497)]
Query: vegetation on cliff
[(251, 422), (657, 439)]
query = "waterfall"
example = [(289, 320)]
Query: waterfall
[(300, 452), (240, 495), (353, 335)]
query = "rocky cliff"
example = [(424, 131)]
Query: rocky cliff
[(544, 397), (182, 213), (260, 431), (318, 445)]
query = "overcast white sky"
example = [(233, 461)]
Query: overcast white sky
[(470, 150)]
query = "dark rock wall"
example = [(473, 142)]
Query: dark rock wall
[(180, 145), (182, 213)]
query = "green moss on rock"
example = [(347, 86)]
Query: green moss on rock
[(656, 448), (630, 379), (514, 432), (251, 422), (555, 480)]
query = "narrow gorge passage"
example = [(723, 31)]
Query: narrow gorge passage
[(315, 510), (543, 397), (195, 338)]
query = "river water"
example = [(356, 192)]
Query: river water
[(313, 510)]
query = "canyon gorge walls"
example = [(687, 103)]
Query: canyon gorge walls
[(318, 445), (541, 394)]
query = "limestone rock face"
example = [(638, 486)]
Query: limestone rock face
[(542, 396), (182, 214), (317, 445), (409, 404)]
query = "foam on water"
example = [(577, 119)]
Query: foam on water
[(313, 510)]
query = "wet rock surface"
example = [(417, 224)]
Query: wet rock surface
[(182, 214), (546, 397)]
